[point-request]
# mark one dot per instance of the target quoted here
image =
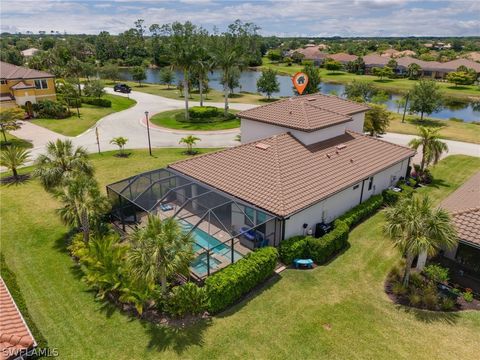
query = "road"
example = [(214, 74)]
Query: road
[(130, 123)]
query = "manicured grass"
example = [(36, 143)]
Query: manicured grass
[(452, 130), (335, 311), (15, 141), (172, 119), (89, 115), (212, 96), (394, 85)]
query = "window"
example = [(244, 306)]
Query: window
[(3, 81), (356, 187), (41, 84), (370, 183)]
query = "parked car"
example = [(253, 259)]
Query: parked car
[(123, 88)]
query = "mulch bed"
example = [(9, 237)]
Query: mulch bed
[(461, 304)]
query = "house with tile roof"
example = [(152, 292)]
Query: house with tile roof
[(464, 207), (23, 86), (303, 162), (16, 340)]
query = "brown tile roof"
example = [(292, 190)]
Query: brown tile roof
[(474, 55), (312, 53), (14, 333), (455, 64), (306, 113), (283, 176), (375, 60), (22, 85), (342, 57), (10, 71), (464, 204)]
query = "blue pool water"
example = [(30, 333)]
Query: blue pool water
[(203, 239)]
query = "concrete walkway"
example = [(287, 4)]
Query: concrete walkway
[(130, 123)]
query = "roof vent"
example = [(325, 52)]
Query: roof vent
[(329, 155), (351, 160), (341, 146), (311, 99), (262, 146)]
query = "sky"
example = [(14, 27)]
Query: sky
[(322, 18)]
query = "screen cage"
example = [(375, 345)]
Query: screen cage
[(224, 228)]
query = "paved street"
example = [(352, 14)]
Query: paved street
[(130, 123)]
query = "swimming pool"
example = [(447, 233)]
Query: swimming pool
[(206, 241)]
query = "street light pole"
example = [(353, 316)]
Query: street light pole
[(148, 134)]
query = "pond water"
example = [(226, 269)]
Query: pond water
[(248, 82)]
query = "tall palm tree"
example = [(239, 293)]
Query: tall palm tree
[(82, 204), (227, 56), (189, 141), (416, 228), (13, 157), (160, 250), (61, 162), (183, 50), (432, 147)]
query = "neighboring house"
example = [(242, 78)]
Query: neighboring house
[(342, 57), (16, 340), (464, 207), (392, 53), (473, 55), (435, 69), (27, 53), (24, 86), (312, 52), (303, 162), (374, 60)]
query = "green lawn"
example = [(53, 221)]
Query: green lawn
[(452, 130), (13, 140), (286, 318), (172, 119), (89, 115), (394, 85)]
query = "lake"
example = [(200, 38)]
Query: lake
[(248, 83)]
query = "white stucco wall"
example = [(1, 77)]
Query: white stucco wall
[(21, 100), (337, 204), (357, 123), (254, 130)]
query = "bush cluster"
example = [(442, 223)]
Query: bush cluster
[(391, 197), (227, 286), (203, 112), (321, 249), (50, 109), (187, 299), (96, 101)]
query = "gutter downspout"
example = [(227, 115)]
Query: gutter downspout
[(361, 194)]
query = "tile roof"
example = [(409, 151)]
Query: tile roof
[(464, 204), (342, 57), (439, 66), (22, 85), (312, 53), (305, 113), (29, 52), (14, 333), (10, 71), (283, 176), (375, 60)]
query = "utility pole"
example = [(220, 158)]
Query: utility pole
[(405, 107)]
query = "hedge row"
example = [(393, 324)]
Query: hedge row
[(321, 249), (227, 286), (391, 197), (203, 112), (97, 101), (11, 281)]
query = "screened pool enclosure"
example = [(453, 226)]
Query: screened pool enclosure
[(224, 228)]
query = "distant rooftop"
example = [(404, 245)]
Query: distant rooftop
[(13, 72), (306, 113)]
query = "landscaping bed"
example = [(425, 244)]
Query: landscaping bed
[(214, 120)]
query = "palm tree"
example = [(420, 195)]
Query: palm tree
[(228, 58), (120, 142), (160, 250), (61, 162), (416, 228), (13, 157), (432, 147), (183, 51), (190, 141), (83, 204)]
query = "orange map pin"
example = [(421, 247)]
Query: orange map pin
[(300, 81)]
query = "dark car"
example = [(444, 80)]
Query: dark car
[(123, 88)]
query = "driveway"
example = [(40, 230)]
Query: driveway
[(130, 123)]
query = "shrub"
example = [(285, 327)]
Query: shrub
[(390, 197), (399, 289), (97, 101), (50, 109), (430, 297), (230, 284), (362, 211), (187, 299), (321, 249), (414, 299), (436, 273), (417, 281), (293, 248), (468, 296), (203, 112), (447, 304)]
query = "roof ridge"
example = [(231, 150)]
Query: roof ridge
[(279, 181), (330, 111)]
